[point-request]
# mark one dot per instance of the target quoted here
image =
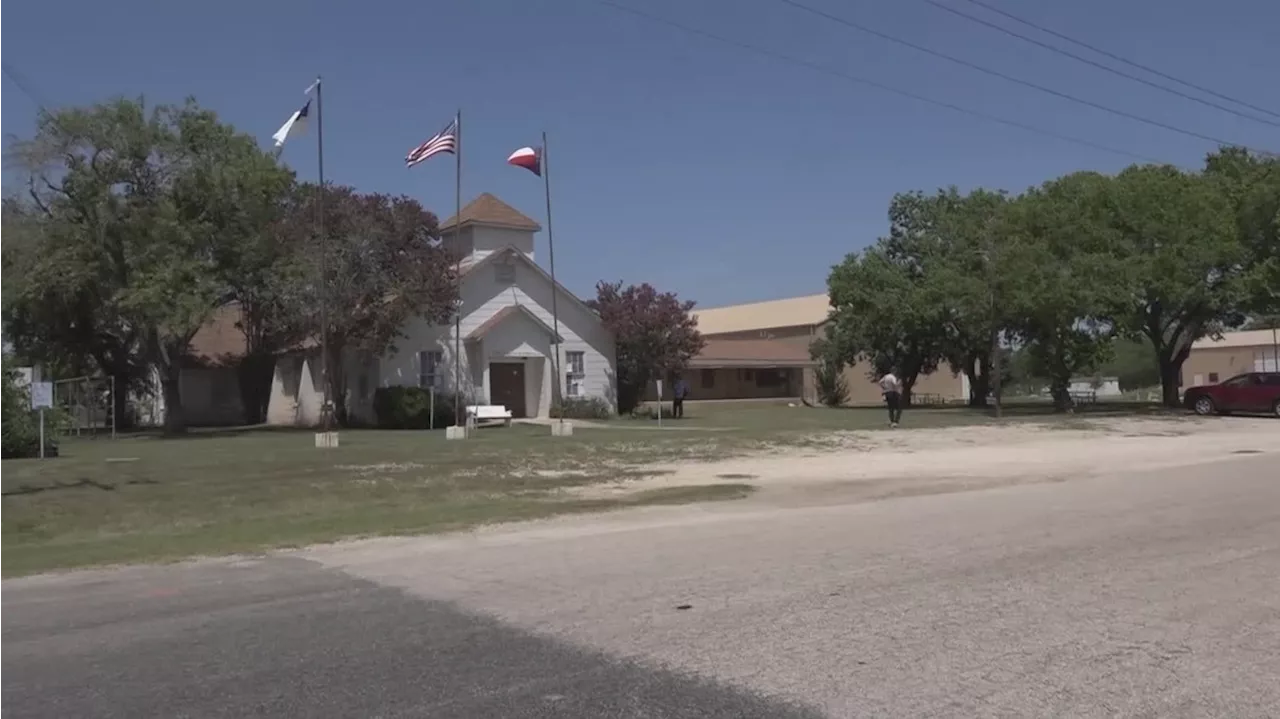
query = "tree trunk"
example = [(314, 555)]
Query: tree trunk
[(122, 417), (175, 421), (1060, 390), (979, 381), (255, 372), (1170, 373), (630, 392), (337, 380), (907, 383)]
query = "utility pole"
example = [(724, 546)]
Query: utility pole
[(1275, 349), (989, 261)]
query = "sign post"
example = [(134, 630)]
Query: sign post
[(41, 399), (659, 383)]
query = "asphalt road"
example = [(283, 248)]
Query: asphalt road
[(1153, 595)]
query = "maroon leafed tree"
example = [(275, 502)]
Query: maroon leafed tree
[(655, 333), (386, 265)]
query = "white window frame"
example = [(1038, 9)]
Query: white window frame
[(575, 372), (432, 359)]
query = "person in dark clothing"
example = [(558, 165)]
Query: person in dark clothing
[(679, 390)]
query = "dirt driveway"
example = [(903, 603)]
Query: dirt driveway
[(873, 465)]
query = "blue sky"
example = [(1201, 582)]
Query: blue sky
[(721, 175)]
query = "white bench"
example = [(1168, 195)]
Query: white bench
[(489, 413)]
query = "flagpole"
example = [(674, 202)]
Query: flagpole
[(555, 289), (457, 319), (325, 410)]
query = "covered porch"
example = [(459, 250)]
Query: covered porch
[(744, 369), (512, 354)]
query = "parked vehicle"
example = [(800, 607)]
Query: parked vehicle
[(1249, 392)]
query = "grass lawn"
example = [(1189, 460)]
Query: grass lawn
[(770, 419), (141, 498)]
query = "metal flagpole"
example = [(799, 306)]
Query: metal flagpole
[(457, 233), (326, 411), (555, 289)]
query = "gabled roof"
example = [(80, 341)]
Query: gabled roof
[(510, 251), (489, 211), (503, 315), (219, 340), (806, 311)]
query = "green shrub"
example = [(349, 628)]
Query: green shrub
[(411, 408), (832, 387), (582, 408), (21, 424)]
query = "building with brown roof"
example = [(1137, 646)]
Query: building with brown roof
[(1214, 360), (761, 350)]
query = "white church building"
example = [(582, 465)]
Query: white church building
[(507, 341)]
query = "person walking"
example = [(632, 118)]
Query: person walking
[(891, 388), (679, 391)]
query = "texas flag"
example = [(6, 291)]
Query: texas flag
[(296, 125), (530, 158)]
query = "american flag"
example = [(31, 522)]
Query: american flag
[(444, 141)]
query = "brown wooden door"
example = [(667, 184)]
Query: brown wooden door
[(506, 386)]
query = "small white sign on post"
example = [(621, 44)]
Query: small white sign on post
[(41, 395), (41, 399)]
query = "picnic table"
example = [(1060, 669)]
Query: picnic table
[(1084, 396), (927, 400)]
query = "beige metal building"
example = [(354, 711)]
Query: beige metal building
[(1214, 360), (761, 350)]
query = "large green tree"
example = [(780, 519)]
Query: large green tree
[(882, 312), (1180, 260), (1251, 183), (134, 204), (18, 233), (965, 258), (928, 294), (262, 272), (1061, 256)]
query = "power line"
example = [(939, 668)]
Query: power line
[(19, 80), (1113, 56), (1010, 78), (870, 83), (1100, 66)]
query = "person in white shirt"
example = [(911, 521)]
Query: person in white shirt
[(891, 388)]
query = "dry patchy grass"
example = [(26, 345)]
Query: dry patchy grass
[(143, 498)]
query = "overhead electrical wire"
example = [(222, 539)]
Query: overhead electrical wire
[(1099, 65), (783, 57), (1118, 58), (20, 80), (1010, 78)]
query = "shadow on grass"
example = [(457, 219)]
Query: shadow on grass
[(82, 483), (1024, 408)]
